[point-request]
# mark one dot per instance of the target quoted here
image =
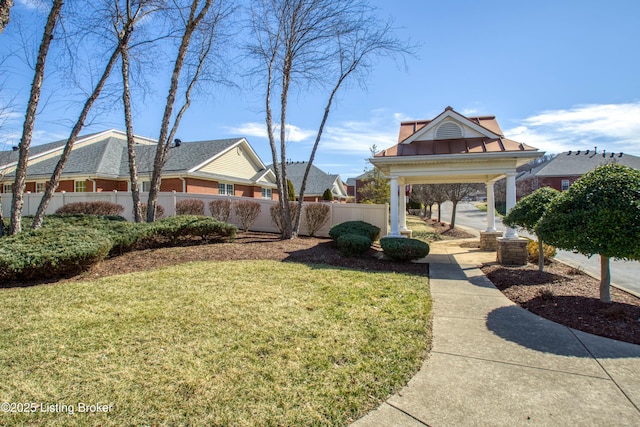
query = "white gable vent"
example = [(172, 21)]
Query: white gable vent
[(449, 130)]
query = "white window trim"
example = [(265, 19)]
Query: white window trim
[(227, 187), (75, 186), (44, 187), (269, 192), (562, 184)]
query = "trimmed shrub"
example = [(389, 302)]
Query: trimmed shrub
[(186, 226), (355, 227), (51, 252), (124, 235), (91, 208), (276, 215), (190, 207), (533, 251), (220, 209), (353, 244), (159, 211), (316, 215), (327, 195), (401, 249), (247, 212)]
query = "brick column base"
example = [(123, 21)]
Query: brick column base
[(488, 240), (512, 251)]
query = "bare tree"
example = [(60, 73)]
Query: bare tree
[(5, 9), (456, 193), (424, 194), (124, 19), (30, 118), (305, 42), (200, 21)]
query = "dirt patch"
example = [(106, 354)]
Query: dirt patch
[(569, 297)]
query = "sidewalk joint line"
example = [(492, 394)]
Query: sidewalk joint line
[(604, 369), (523, 366), (407, 414)]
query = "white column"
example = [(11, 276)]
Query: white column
[(394, 206), (403, 206), (511, 202), (491, 208)]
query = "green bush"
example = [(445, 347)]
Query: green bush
[(51, 252), (91, 208), (353, 244), (124, 235), (355, 227), (177, 227), (401, 249)]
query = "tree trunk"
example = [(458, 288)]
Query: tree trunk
[(30, 118), (126, 100), (55, 177), (165, 139), (5, 10), (605, 279), (453, 215), (540, 254), (439, 211)]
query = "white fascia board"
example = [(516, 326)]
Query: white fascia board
[(226, 178), (457, 117)]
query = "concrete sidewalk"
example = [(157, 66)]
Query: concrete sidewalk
[(494, 363)]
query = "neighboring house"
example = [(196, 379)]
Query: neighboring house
[(565, 168), (99, 162), (355, 184), (317, 182)]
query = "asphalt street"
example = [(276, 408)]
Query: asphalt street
[(624, 274)]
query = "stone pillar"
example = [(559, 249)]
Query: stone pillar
[(491, 208), (511, 202), (512, 251), (393, 184)]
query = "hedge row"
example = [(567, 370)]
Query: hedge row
[(69, 244)]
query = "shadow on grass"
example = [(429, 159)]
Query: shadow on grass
[(327, 253)]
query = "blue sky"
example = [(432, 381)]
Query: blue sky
[(558, 75)]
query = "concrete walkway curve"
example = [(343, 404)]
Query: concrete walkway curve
[(493, 363)]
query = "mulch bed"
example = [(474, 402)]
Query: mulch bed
[(567, 296)]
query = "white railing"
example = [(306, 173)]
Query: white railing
[(377, 215)]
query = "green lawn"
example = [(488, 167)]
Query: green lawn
[(214, 343), (421, 230)]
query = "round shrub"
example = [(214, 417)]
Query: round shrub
[(401, 249), (353, 244), (91, 208), (355, 227), (181, 226), (51, 252)]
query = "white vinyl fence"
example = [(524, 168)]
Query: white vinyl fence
[(377, 215)]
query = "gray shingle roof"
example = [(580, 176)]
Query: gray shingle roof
[(317, 182), (574, 163), (108, 157)]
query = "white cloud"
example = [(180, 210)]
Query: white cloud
[(613, 127), (357, 137), (259, 130), (34, 4)]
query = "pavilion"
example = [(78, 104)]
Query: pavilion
[(452, 148)]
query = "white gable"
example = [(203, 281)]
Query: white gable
[(450, 125)]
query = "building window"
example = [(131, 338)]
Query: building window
[(41, 187), (7, 188), (144, 186), (225, 189), (81, 186), (565, 184), (266, 193)]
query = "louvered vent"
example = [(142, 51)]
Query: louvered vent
[(448, 130)]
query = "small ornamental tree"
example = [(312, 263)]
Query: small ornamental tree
[(327, 195), (291, 191), (247, 212), (598, 214), (528, 211)]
